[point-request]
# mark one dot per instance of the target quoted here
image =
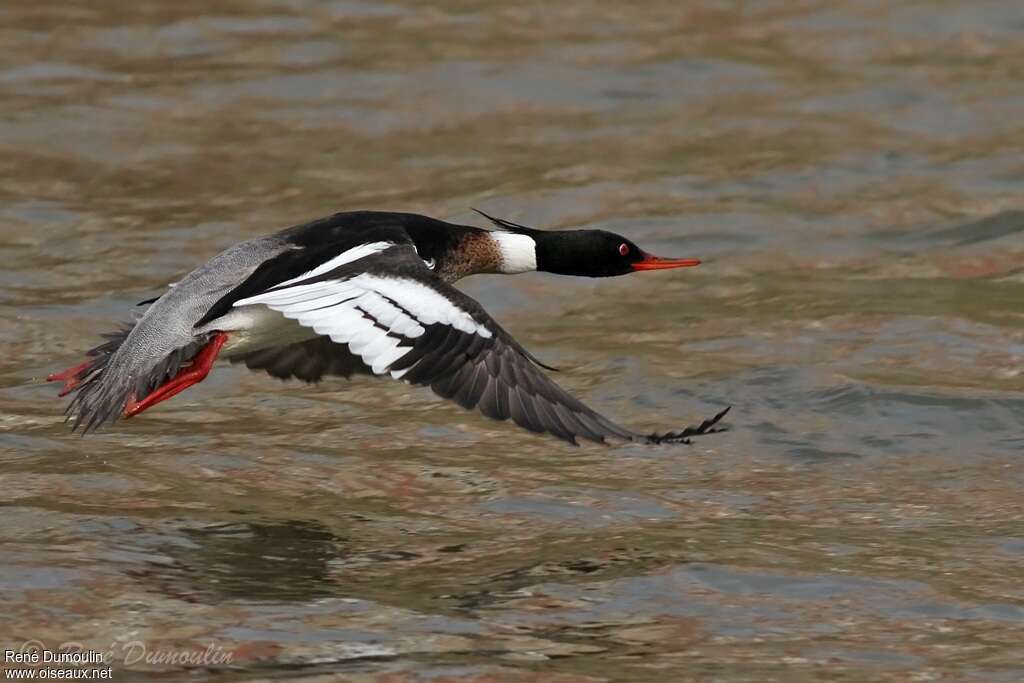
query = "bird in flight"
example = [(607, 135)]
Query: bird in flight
[(363, 292)]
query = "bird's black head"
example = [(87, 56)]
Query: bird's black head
[(596, 253), (590, 253)]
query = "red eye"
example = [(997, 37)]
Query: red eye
[(624, 249)]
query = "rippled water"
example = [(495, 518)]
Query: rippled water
[(851, 174)]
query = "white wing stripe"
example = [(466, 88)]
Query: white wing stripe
[(366, 312), (321, 302), (426, 304), (408, 328), (353, 254), (381, 362)]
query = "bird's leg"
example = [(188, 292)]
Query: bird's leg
[(71, 377), (186, 377)]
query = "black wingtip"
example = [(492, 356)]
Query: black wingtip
[(683, 436)]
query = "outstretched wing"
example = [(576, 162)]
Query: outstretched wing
[(391, 312), (308, 361)]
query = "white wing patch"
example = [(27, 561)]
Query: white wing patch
[(374, 315), (353, 254)]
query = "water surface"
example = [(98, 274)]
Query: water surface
[(849, 172)]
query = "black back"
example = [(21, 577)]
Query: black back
[(320, 240)]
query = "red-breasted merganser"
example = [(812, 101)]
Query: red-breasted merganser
[(362, 292)]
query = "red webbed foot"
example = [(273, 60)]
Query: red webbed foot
[(71, 377), (186, 377)]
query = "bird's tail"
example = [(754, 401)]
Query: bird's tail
[(111, 377)]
